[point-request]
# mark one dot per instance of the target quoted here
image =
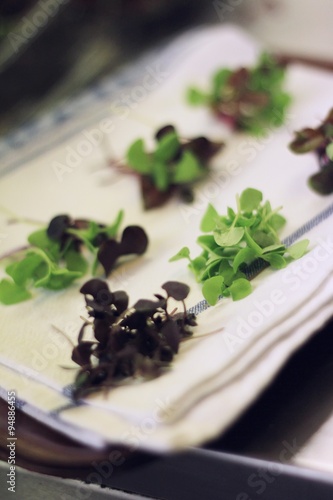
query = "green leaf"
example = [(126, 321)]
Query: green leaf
[(210, 269), (184, 253), (196, 97), (263, 239), (188, 169), (25, 269), (297, 250), (208, 222), (275, 260), (227, 272), (40, 239), (92, 231), (197, 265), (274, 248), (219, 80), (245, 221), (86, 235), (329, 151), (207, 242), (76, 262), (167, 147), (212, 289), (251, 243), (10, 293), (250, 199), (60, 278), (231, 213), (137, 158), (244, 256), (230, 237), (277, 221), (240, 288), (112, 229), (160, 175)]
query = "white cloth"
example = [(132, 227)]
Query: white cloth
[(214, 378)]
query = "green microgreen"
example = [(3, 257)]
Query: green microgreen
[(249, 99), (174, 165), (58, 254), (233, 242), (320, 141)]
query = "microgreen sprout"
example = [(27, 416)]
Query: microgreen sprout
[(320, 141), (139, 341), (57, 255), (172, 167), (248, 99), (231, 243)]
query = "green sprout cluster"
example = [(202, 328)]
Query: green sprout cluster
[(248, 99), (234, 241)]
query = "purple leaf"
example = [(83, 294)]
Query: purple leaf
[(134, 240), (176, 290), (170, 331)]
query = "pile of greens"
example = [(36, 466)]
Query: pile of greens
[(234, 241), (248, 99), (174, 166), (54, 257), (138, 341), (320, 141)]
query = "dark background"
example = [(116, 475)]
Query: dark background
[(52, 49)]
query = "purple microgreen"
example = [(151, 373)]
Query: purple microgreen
[(57, 227), (250, 99), (153, 197), (97, 288), (320, 141), (202, 148), (139, 341), (146, 306), (176, 290), (171, 334), (322, 181), (307, 140), (82, 352), (134, 240), (163, 131), (174, 166), (107, 255)]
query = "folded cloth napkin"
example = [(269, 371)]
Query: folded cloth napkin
[(240, 345)]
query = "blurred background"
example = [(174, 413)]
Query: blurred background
[(50, 50)]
